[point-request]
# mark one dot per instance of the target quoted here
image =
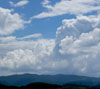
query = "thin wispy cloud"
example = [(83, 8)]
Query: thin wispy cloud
[(19, 4), (76, 7), (37, 35)]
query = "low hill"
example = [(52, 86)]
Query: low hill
[(46, 86)]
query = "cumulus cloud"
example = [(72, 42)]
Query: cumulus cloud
[(27, 61), (19, 4), (76, 50), (10, 22), (78, 41), (30, 56), (62, 7)]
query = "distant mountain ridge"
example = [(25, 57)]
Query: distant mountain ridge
[(25, 79)]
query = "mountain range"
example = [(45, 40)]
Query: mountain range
[(25, 79)]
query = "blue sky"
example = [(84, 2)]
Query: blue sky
[(46, 26), (50, 37)]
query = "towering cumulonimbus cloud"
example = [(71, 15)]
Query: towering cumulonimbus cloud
[(78, 42)]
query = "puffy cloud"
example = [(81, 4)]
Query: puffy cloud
[(27, 61), (75, 50), (9, 22), (20, 3), (71, 45), (37, 46), (75, 27), (69, 6), (78, 42), (25, 56)]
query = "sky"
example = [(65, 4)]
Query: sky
[(50, 37)]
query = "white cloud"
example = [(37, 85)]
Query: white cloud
[(9, 22), (37, 35), (76, 50), (45, 4), (7, 39), (78, 42), (69, 6), (75, 27), (71, 45), (37, 46), (25, 55), (19, 4)]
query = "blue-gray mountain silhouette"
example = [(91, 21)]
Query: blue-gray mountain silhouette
[(25, 79)]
